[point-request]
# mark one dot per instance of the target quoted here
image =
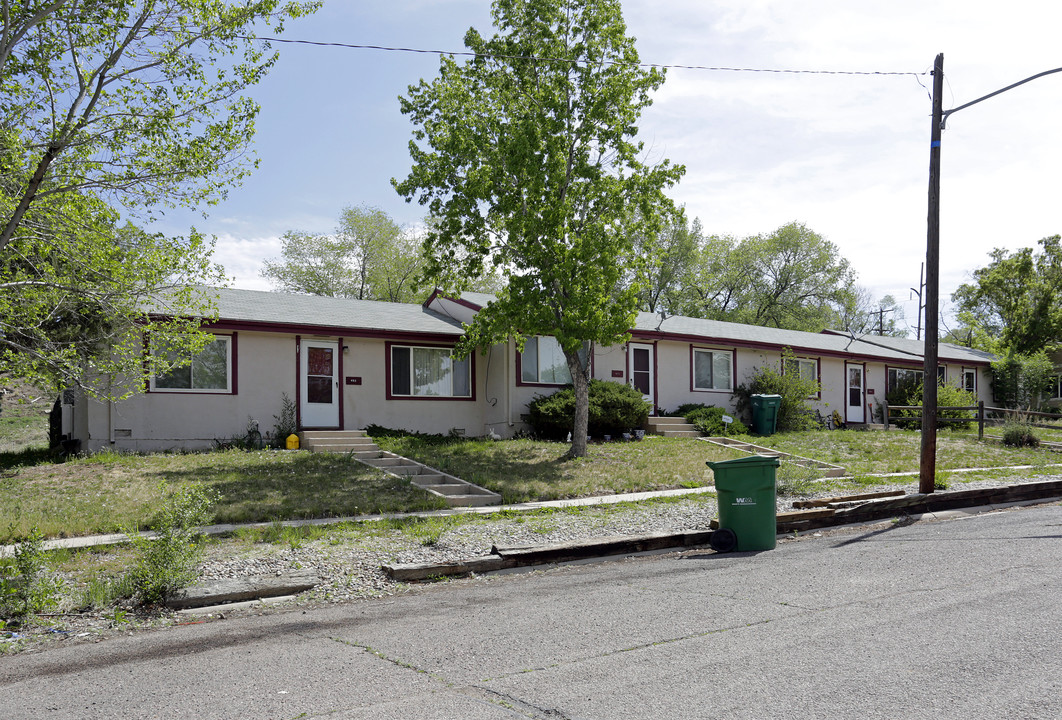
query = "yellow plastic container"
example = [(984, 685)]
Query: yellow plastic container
[(292, 442)]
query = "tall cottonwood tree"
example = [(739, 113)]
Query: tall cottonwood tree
[(1017, 298), (669, 255), (367, 257), (130, 104), (526, 156), (792, 278)]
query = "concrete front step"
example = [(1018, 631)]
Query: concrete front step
[(679, 433), (665, 420), (341, 447), (671, 427), (337, 441)]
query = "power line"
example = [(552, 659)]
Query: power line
[(658, 66)]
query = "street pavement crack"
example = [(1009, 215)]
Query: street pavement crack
[(520, 708), (394, 661), (632, 648)]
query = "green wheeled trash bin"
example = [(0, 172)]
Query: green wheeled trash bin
[(745, 492), (765, 413)]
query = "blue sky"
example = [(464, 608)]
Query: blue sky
[(846, 155)]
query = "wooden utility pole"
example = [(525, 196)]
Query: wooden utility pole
[(928, 466), (928, 461)]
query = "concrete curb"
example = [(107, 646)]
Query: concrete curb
[(510, 558)]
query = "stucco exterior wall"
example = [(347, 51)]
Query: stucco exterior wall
[(151, 421), (265, 366), (367, 403)]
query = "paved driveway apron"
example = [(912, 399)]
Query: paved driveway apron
[(938, 619)]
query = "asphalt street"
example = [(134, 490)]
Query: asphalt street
[(948, 619)]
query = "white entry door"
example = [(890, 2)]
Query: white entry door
[(319, 384), (855, 412), (641, 372)]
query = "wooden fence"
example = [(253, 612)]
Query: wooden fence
[(983, 414)]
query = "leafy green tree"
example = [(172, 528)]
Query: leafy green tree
[(526, 156), (134, 99), (669, 254), (860, 315), (132, 104), (798, 280), (368, 257), (75, 290), (970, 332), (1022, 380), (792, 278), (715, 284), (1017, 298)]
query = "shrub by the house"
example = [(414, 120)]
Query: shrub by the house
[(794, 413), (614, 409), (708, 420), (948, 396)]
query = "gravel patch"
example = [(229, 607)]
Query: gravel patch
[(351, 569)]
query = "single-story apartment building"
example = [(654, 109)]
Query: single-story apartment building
[(347, 364)]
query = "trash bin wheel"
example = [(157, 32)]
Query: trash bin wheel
[(723, 540)]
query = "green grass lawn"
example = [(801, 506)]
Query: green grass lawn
[(109, 492), (527, 470), (523, 470), (864, 452)]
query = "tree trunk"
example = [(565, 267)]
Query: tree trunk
[(581, 383)]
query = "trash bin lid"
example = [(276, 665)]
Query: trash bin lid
[(750, 461)]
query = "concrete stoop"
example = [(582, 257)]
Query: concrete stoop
[(671, 427), (359, 446), (825, 468)]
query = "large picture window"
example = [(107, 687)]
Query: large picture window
[(713, 369), (543, 361), (902, 376), (210, 371), (429, 372)]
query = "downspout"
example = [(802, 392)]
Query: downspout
[(110, 410), (509, 382)]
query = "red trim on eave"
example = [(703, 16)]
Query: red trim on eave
[(434, 294), (335, 331), (456, 300), (653, 335)]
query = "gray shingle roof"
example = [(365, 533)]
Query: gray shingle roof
[(903, 350), (255, 306), (478, 298)]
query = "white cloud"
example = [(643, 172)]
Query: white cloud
[(243, 257)]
